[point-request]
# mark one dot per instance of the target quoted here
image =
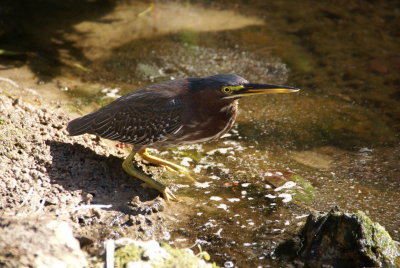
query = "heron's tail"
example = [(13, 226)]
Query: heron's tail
[(80, 125)]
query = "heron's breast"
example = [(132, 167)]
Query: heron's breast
[(207, 125)]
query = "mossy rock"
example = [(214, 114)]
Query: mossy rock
[(305, 192), (127, 254), (338, 239), (154, 254), (378, 244)]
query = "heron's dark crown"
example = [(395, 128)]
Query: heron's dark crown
[(216, 81)]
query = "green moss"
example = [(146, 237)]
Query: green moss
[(2, 122), (5, 52), (182, 258), (306, 192), (192, 154), (73, 108), (104, 101), (379, 245), (189, 37), (126, 254), (179, 258)]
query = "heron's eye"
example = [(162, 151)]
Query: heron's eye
[(227, 90)]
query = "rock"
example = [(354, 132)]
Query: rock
[(31, 242), (313, 159), (153, 251), (338, 239)]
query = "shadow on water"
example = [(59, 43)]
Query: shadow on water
[(78, 168), (185, 54), (36, 31)]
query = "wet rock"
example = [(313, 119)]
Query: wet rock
[(338, 239), (313, 159), (38, 243)]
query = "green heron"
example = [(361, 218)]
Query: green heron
[(172, 113)]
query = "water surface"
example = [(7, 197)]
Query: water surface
[(334, 143)]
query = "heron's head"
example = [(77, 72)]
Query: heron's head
[(230, 86)]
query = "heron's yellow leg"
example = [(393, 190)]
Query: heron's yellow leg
[(129, 168), (169, 165)]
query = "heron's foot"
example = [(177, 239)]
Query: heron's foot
[(169, 195), (129, 168), (167, 164)]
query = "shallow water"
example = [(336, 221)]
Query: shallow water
[(334, 143)]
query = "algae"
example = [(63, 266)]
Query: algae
[(179, 258), (305, 192), (378, 244), (126, 254)]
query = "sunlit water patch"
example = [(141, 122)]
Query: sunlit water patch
[(241, 204), (248, 199)]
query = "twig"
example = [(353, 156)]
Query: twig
[(8, 80), (147, 10), (110, 248), (41, 205), (28, 195), (91, 206)]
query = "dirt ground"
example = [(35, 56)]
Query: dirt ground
[(78, 180)]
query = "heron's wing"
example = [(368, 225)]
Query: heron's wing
[(143, 119)]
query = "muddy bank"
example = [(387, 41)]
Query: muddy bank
[(78, 180)]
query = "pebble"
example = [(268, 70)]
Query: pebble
[(229, 264), (25, 177)]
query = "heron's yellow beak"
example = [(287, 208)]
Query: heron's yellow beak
[(251, 89), (256, 89)]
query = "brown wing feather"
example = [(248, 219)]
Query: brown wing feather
[(142, 117)]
